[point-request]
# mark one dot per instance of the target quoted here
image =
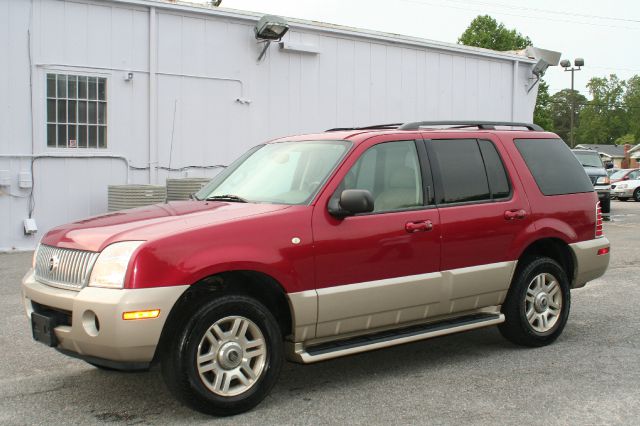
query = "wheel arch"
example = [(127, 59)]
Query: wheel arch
[(555, 248), (258, 285)]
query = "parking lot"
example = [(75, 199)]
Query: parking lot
[(591, 375)]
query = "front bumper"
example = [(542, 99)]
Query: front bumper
[(622, 192), (109, 339), (589, 265)]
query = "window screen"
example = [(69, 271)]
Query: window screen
[(462, 170), (76, 111), (498, 181), (553, 166)]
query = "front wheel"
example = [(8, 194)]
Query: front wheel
[(227, 357), (537, 306), (606, 205), (636, 194)]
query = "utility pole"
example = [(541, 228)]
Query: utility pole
[(578, 64)]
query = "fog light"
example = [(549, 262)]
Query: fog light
[(604, 250), (136, 315)]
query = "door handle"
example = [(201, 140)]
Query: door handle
[(420, 226), (515, 214)]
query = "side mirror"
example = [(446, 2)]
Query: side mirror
[(609, 166), (352, 201), (626, 177)]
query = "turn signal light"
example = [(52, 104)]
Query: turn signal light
[(136, 315), (603, 250)]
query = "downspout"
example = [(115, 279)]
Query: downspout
[(153, 86), (513, 90)]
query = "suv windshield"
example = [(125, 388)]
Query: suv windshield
[(589, 159), (279, 173)]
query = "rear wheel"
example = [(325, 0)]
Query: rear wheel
[(227, 357), (537, 306)]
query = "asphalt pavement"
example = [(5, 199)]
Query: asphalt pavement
[(591, 375)]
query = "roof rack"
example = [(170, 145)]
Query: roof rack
[(374, 127), (483, 125)]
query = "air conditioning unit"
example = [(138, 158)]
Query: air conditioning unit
[(122, 197), (182, 188)]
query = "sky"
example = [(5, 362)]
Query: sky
[(605, 33)]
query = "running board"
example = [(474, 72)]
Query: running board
[(325, 351)]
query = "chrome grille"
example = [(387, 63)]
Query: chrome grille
[(65, 268)]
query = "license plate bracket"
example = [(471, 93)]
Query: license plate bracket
[(43, 327)]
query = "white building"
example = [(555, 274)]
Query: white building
[(99, 92)]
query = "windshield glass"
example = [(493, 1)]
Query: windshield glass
[(589, 159), (619, 174), (280, 173)]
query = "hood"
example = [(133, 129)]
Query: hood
[(151, 222)]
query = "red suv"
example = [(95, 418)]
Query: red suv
[(319, 246)]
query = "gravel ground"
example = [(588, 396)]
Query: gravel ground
[(591, 375)]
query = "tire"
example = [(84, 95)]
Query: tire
[(622, 198), (527, 295), (606, 205), (199, 354), (636, 194)]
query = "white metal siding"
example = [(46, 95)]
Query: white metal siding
[(205, 62)]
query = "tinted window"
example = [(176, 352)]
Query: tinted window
[(462, 170), (553, 166), (498, 182), (391, 172)]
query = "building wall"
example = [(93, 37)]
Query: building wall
[(199, 98)]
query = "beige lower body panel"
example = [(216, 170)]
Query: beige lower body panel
[(117, 339), (372, 306), (588, 264)]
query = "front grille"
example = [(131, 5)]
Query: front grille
[(65, 268)]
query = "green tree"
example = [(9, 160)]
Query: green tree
[(632, 105), (560, 110), (604, 118), (486, 32)]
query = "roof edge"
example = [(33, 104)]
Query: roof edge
[(329, 28)]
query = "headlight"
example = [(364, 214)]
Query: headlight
[(603, 180), (111, 267)]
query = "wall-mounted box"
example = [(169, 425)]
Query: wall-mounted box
[(24, 180)]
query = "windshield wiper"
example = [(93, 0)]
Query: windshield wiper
[(227, 197)]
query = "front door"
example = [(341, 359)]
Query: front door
[(380, 268)]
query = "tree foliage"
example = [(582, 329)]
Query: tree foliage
[(486, 32), (604, 118), (560, 111)]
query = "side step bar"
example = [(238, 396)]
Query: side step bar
[(385, 339)]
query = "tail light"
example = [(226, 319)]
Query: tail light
[(599, 231)]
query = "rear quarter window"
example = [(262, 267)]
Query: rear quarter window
[(553, 166)]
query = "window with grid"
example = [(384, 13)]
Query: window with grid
[(76, 111)]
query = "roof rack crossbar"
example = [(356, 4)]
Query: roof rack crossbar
[(483, 125), (373, 127)]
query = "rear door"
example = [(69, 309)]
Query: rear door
[(483, 213), (380, 268)]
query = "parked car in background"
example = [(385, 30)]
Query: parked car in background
[(612, 170), (623, 190), (624, 174), (596, 171)]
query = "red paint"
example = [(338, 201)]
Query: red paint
[(603, 251), (190, 240)]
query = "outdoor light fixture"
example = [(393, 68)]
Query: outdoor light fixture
[(578, 63), (270, 28)]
